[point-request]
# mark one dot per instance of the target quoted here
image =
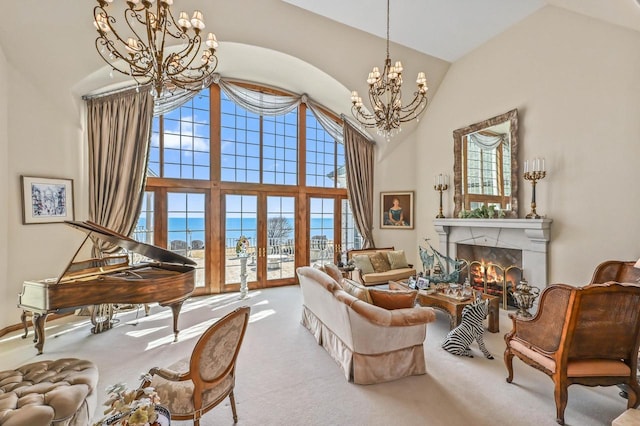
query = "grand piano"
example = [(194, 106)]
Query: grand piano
[(168, 279)]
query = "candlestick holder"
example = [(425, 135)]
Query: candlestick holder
[(534, 177), (440, 188)]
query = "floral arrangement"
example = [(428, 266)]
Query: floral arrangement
[(126, 407), (242, 244), (483, 212)]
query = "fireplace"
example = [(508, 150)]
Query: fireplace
[(492, 270), (528, 236)]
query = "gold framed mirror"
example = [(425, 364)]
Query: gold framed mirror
[(485, 165)]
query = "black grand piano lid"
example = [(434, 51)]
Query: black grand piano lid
[(150, 251)]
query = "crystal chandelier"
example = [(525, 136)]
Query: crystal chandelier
[(385, 96), (143, 50)]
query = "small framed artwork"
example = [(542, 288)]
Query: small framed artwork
[(46, 200), (396, 210), (422, 283)]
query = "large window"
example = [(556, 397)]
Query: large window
[(180, 141), (325, 158), (218, 172)]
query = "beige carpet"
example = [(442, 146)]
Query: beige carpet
[(285, 378)]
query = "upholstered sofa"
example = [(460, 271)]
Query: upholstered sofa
[(49, 393), (370, 343), (379, 265)]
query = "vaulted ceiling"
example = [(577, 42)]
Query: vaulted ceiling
[(450, 29)]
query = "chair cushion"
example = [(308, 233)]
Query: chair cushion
[(397, 259), (178, 396), (393, 299), (543, 360), (379, 262), (363, 262)]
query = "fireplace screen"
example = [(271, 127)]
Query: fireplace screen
[(492, 270)]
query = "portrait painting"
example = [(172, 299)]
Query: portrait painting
[(46, 200), (396, 210)]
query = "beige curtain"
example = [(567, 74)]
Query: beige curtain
[(119, 127), (359, 153)]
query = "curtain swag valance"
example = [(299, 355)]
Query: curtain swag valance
[(487, 142), (252, 100)]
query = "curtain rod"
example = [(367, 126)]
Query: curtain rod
[(112, 92)]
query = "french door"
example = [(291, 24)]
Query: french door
[(263, 227)]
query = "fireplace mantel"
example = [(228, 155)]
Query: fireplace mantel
[(532, 236)]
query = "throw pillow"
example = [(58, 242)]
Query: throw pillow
[(393, 299), (379, 262), (356, 289), (363, 263), (333, 271), (397, 259)]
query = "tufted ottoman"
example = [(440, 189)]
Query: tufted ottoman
[(60, 392)]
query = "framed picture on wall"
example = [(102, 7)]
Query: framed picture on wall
[(46, 200), (396, 210)]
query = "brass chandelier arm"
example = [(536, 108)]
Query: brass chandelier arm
[(142, 55)]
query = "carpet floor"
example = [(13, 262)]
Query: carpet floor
[(285, 378)]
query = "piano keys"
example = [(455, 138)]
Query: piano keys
[(168, 279)]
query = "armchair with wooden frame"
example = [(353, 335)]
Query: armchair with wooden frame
[(195, 385), (581, 335)]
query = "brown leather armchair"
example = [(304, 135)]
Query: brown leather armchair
[(581, 335), (616, 270), (194, 385)]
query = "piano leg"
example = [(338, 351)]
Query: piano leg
[(23, 318), (175, 309), (38, 324)]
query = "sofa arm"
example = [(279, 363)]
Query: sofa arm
[(393, 317)]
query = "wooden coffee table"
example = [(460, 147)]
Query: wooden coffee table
[(454, 307)]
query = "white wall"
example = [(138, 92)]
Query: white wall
[(42, 141), (395, 171), (576, 84)]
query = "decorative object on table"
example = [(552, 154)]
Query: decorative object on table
[(534, 174), (482, 212), (385, 96), (459, 340), (396, 210), (441, 183), (136, 407), (525, 295), (422, 283), (187, 68), (438, 267), (242, 245), (46, 200)]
